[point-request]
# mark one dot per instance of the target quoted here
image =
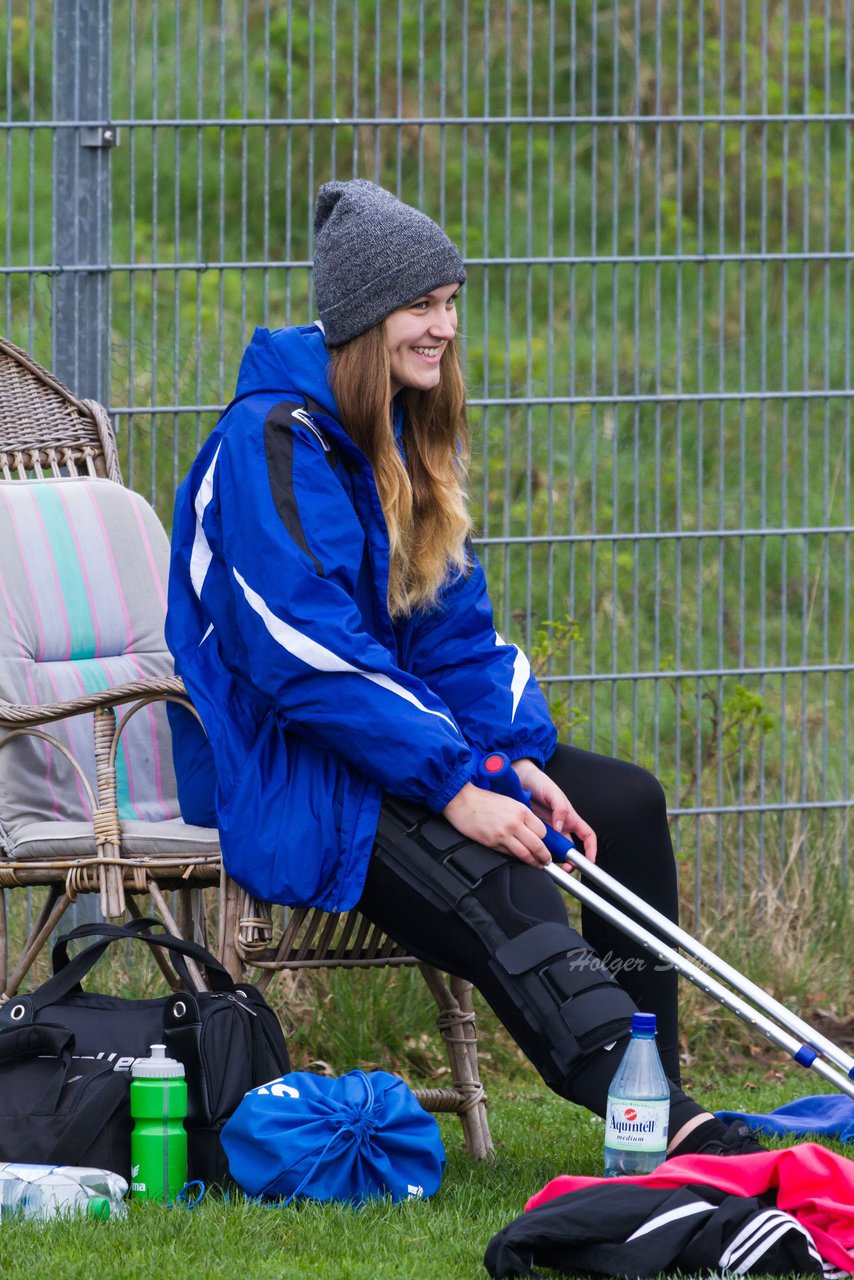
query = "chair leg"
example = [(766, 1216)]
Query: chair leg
[(106, 818), (193, 916), (456, 1022), (480, 1139), (229, 915), (171, 923), (4, 941), (56, 904)]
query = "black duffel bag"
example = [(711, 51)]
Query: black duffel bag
[(66, 1056)]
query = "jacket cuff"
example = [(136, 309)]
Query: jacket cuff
[(521, 753), (438, 799), (529, 749)]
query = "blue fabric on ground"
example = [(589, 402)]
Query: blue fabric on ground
[(829, 1114), (351, 1138)]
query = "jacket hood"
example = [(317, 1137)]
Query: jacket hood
[(293, 359)]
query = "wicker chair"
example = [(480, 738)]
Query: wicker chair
[(70, 819)]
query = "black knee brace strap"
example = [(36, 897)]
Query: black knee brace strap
[(567, 996)]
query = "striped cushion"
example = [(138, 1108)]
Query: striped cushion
[(174, 839), (82, 603)]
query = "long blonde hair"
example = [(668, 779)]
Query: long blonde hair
[(424, 501)]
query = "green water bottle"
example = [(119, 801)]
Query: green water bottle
[(158, 1142)]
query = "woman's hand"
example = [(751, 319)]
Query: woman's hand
[(498, 822), (550, 803)]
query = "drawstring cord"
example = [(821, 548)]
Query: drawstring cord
[(359, 1125), (191, 1194)]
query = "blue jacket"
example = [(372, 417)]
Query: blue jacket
[(313, 700)]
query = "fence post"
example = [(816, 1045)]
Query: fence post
[(81, 194), (81, 216)]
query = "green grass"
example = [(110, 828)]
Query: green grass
[(335, 1021), (537, 1137)]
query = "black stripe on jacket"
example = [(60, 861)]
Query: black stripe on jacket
[(279, 450)]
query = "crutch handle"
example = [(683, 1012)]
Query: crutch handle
[(496, 773)]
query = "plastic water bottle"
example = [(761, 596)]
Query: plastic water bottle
[(638, 1112), (43, 1191), (158, 1141)]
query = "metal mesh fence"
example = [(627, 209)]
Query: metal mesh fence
[(654, 204)]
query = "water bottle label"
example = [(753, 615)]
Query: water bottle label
[(637, 1126)]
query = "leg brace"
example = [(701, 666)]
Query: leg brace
[(564, 1002)]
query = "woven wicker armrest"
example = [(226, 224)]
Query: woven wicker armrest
[(13, 716)]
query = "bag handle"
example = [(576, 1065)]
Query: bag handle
[(60, 957), (103, 929), (111, 932), (71, 971), (39, 1040), (179, 947), (33, 1040)]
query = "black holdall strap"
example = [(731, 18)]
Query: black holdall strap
[(72, 972), (88, 958), (108, 933), (40, 1040), (59, 955), (217, 976), (95, 1113), (35, 1040)]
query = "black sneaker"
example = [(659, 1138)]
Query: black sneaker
[(737, 1140)]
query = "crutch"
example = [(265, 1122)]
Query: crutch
[(808, 1046)]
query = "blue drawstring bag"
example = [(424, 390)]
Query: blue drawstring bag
[(353, 1138)]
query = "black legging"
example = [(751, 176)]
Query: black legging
[(625, 806)]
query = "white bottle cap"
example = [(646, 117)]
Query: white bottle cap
[(157, 1066)]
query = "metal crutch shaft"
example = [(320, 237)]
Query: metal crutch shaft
[(754, 1017), (812, 1039), (497, 773)]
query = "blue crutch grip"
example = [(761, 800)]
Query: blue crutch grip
[(496, 773)]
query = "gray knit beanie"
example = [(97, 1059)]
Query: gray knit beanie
[(372, 255)]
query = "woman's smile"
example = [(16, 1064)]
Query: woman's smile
[(417, 335)]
